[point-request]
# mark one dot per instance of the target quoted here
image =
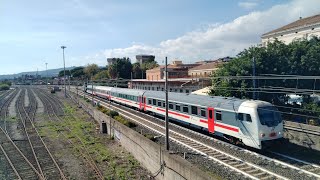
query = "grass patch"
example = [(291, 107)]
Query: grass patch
[(84, 130)]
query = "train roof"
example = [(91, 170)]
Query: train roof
[(226, 103), (103, 87), (133, 92)]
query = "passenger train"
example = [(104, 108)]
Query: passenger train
[(250, 122)]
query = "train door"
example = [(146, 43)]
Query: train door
[(211, 120), (140, 102), (144, 103)]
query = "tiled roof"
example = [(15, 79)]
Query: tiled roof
[(301, 22), (211, 65)]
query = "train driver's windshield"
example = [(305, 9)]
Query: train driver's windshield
[(269, 116)]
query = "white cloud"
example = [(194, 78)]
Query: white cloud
[(247, 4), (221, 40)]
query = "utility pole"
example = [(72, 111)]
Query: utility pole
[(167, 105), (92, 91), (64, 72), (47, 73), (254, 78), (69, 80)]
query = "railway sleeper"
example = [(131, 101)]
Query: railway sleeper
[(253, 171), (246, 168), (240, 165), (260, 174), (267, 177)]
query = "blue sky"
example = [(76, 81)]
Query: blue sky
[(32, 31)]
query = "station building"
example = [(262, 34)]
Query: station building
[(304, 28), (182, 78)]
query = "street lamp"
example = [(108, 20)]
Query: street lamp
[(47, 73), (64, 72)]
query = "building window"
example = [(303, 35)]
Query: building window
[(194, 110), (218, 116)]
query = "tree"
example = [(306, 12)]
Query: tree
[(91, 69), (61, 73), (121, 68), (101, 75), (136, 70), (297, 58), (77, 72)]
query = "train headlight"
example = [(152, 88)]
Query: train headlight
[(279, 132), (262, 135)]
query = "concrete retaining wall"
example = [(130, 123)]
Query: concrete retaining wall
[(304, 136), (147, 152)]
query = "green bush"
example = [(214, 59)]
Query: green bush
[(4, 87), (122, 120), (114, 113)]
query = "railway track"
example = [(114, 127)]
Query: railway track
[(5, 103), (53, 108), (17, 165), (41, 157), (202, 148)]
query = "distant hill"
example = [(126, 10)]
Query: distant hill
[(51, 73)]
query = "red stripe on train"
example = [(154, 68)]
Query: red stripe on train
[(174, 113), (204, 121), (227, 127)]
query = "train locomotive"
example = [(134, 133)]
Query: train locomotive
[(250, 122)]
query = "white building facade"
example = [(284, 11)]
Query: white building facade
[(304, 28)]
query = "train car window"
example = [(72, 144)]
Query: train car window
[(240, 116), (154, 102), (185, 109), (210, 114), (149, 101), (170, 106), (194, 110), (248, 118), (218, 116), (159, 103), (203, 113), (163, 104), (177, 107)]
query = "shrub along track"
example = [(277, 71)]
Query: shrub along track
[(41, 157)]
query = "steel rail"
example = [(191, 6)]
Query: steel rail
[(42, 143)]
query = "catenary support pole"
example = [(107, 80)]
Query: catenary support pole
[(167, 105)]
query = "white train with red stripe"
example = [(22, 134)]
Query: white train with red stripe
[(250, 122)]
